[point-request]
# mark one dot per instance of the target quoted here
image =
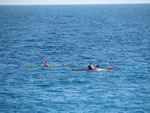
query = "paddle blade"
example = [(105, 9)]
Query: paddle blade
[(97, 65)]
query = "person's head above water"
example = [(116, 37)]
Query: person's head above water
[(90, 63)]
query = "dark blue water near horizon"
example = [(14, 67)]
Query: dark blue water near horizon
[(108, 35)]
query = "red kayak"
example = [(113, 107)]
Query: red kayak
[(95, 69)]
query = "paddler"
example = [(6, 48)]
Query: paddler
[(90, 66), (46, 64)]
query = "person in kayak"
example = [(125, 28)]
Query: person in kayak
[(90, 66), (46, 64)]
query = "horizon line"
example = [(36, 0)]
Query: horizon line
[(79, 4)]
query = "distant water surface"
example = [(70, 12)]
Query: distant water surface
[(108, 35)]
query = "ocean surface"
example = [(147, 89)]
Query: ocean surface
[(109, 35)]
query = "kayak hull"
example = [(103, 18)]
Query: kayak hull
[(48, 66), (95, 69)]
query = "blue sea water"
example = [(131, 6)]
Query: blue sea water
[(109, 35)]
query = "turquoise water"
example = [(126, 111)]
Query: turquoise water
[(108, 35)]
